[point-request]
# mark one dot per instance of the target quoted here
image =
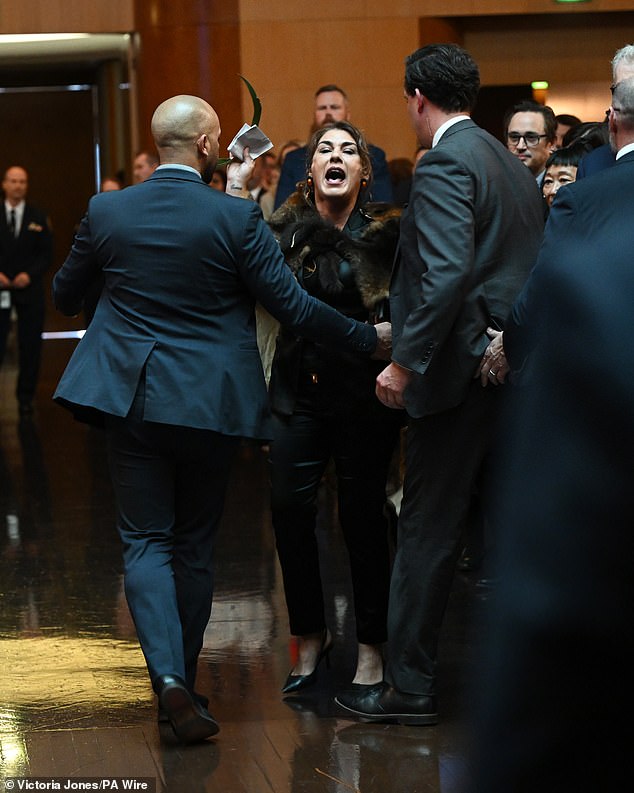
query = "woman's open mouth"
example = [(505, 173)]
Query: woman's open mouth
[(335, 175)]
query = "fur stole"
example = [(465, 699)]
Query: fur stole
[(305, 238)]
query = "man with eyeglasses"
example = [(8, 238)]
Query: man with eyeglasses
[(530, 132)]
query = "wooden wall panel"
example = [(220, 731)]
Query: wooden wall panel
[(364, 56), (557, 49), (475, 8), (66, 16), (287, 48), (189, 48), (290, 48)]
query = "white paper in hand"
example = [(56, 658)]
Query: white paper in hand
[(250, 137)]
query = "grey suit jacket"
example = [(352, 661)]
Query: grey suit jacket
[(469, 238), (183, 266)]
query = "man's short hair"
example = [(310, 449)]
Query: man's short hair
[(444, 73), (623, 102), (331, 87), (530, 106), (623, 56)]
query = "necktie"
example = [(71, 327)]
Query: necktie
[(12, 222)]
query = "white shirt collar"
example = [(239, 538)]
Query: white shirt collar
[(19, 208), (179, 166), (19, 214), (625, 150), (444, 127)]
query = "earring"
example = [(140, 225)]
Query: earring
[(309, 182), (364, 183)]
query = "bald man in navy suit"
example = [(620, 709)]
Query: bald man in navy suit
[(170, 364)]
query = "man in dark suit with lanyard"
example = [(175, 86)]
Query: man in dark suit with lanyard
[(26, 253), (469, 237), (170, 362), (558, 659)]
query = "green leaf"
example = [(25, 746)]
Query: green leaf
[(257, 105)]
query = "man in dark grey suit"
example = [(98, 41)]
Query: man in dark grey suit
[(170, 363), (557, 664), (468, 240)]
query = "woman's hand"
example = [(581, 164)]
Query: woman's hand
[(238, 175), (383, 351)]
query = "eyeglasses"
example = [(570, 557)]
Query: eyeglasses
[(530, 138)]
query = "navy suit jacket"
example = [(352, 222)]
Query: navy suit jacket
[(576, 214), (596, 160), (560, 650), (294, 171), (183, 266), (30, 252), (469, 237)]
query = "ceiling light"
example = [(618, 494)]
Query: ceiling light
[(37, 37)]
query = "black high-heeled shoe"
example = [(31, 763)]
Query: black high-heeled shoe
[(298, 682)]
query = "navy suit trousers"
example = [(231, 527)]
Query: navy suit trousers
[(169, 483)]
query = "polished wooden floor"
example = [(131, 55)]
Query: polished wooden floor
[(75, 700)]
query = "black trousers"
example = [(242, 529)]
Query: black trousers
[(303, 445), (170, 485), (30, 326), (444, 462)]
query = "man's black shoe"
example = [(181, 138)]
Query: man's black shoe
[(202, 700), (189, 720), (384, 703)]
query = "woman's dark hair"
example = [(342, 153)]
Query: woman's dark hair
[(568, 155), (362, 147)]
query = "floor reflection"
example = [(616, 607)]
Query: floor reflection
[(74, 695)]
